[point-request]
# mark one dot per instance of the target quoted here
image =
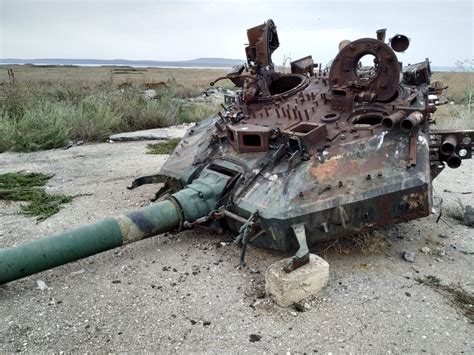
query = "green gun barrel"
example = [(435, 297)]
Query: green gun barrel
[(42, 254), (194, 201)]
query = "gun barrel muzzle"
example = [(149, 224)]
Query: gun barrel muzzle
[(454, 161), (392, 120), (413, 120), (449, 145)]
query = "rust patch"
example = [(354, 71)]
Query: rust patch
[(414, 201), (343, 166)]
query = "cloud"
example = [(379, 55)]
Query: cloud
[(174, 30)]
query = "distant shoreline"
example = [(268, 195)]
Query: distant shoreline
[(191, 64), (114, 66), (195, 63)]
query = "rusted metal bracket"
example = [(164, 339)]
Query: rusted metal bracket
[(302, 255), (153, 179), (149, 179)]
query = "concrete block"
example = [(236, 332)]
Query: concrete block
[(288, 288), (153, 134)]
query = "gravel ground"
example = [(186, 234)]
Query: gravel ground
[(183, 293)]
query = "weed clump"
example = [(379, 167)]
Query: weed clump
[(456, 211), (166, 147), (373, 242), (26, 187)]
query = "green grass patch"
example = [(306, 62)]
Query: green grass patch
[(22, 186), (460, 298), (165, 147), (195, 112), (47, 115)]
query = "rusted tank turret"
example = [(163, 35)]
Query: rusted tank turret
[(297, 158)]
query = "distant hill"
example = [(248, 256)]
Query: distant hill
[(199, 62)]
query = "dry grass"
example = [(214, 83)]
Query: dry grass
[(459, 113), (459, 83), (455, 116), (455, 211), (193, 79), (45, 107), (373, 242)]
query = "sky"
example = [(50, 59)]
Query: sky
[(187, 29)]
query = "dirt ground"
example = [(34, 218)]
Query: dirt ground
[(183, 293)]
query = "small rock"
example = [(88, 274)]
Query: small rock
[(408, 294), (41, 285), (299, 307), (255, 304), (409, 256), (441, 252), (78, 272), (307, 306), (260, 293), (149, 94), (116, 281), (425, 250), (206, 323), (294, 314), (223, 244), (254, 338), (444, 236), (193, 322)]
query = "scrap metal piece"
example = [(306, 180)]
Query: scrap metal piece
[(263, 41), (384, 79), (302, 255), (148, 179), (303, 66)]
